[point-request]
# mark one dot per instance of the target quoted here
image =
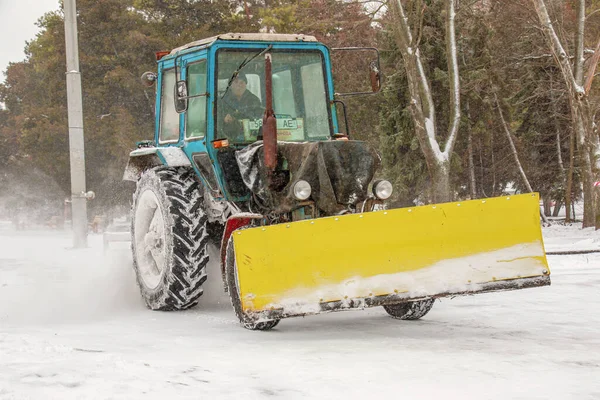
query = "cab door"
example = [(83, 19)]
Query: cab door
[(196, 122)]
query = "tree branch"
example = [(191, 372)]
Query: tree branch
[(592, 13), (592, 69), (421, 104), (453, 77), (418, 41), (557, 48), (512, 144), (412, 55), (579, 39)]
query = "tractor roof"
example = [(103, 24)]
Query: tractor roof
[(257, 37)]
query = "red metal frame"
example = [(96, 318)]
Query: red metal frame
[(231, 225)]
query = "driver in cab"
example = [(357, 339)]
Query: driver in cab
[(237, 104)]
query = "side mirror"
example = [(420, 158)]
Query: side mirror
[(181, 96), (356, 57), (149, 78)]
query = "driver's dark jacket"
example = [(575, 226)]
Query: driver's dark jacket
[(246, 107)]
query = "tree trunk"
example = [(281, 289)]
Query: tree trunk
[(569, 188), (516, 157), (493, 164), (547, 207), (481, 169), (453, 76), (557, 207), (579, 42), (472, 183), (585, 162), (440, 183), (566, 177), (595, 139), (597, 190), (421, 104), (512, 146), (553, 100), (592, 69), (580, 107)]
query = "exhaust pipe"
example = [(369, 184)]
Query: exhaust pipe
[(269, 121)]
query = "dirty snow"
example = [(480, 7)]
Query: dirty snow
[(72, 326), (447, 276), (174, 156)]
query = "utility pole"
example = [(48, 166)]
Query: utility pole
[(75, 109)]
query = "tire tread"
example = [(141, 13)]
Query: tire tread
[(182, 287), (410, 311)]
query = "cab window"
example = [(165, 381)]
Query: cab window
[(315, 100), (299, 95), (169, 119), (283, 94), (196, 113)]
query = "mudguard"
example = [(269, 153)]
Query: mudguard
[(390, 256), (148, 157)]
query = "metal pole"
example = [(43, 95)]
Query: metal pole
[(75, 109)]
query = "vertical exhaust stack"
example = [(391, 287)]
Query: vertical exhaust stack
[(269, 122)]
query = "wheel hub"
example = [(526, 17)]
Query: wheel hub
[(149, 234)]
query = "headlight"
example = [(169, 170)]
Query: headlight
[(382, 189), (302, 190)]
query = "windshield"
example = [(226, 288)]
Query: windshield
[(299, 96)]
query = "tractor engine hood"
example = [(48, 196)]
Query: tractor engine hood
[(339, 173)]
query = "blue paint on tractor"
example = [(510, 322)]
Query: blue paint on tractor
[(208, 52)]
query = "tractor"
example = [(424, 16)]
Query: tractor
[(248, 153)]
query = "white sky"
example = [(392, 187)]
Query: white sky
[(17, 25)]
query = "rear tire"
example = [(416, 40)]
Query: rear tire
[(169, 238), (234, 294), (411, 310)]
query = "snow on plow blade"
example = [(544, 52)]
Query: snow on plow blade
[(387, 257)]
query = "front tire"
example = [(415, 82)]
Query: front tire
[(411, 310), (234, 294), (169, 238)]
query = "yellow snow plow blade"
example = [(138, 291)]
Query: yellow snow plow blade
[(390, 256)]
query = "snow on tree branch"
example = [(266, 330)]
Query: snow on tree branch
[(453, 77), (557, 48)]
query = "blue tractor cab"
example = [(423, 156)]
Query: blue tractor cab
[(196, 102)]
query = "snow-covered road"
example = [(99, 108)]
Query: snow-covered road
[(72, 326)]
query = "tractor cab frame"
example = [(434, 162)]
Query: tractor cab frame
[(193, 83)]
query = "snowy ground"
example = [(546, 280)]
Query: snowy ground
[(72, 326)]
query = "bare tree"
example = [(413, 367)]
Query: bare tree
[(407, 35), (561, 164), (512, 145), (514, 152), (472, 181), (581, 109)]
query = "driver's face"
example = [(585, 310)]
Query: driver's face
[(238, 87)]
